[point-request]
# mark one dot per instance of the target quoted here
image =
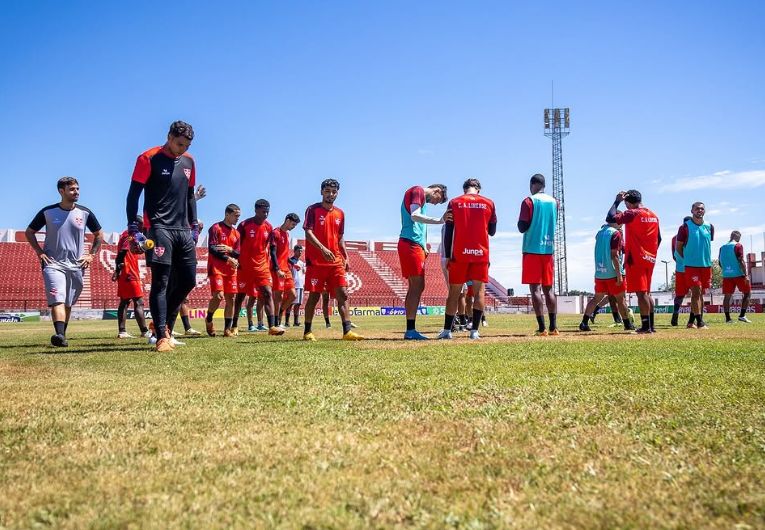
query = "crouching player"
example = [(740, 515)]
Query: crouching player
[(129, 286), (222, 265), (609, 275)]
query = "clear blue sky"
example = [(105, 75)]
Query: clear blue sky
[(381, 96)]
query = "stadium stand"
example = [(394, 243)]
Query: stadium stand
[(375, 278)]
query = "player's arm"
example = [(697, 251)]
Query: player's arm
[(524, 218), (35, 226), (738, 250), (448, 235), (617, 265), (419, 217), (492, 224), (682, 237), (344, 252), (272, 253), (119, 262), (614, 215), (94, 226)]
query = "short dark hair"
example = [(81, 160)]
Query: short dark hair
[(471, 183), (537, 178), (181, 128), (292, 217), (633, 196), (262, 203), (696, 204), (231, 208), (63, 182), (687, 218), (298, 247), (330, 183), (441, 187)]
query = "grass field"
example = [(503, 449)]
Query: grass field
[(578, 431)]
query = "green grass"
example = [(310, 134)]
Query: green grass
[(579, 431)]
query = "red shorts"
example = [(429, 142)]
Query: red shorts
[(681, 285), (463, 271), (250, 282), (469, 293), (320, 278), (639, 278), (609, 286), (698, 277), (283, 284), (228, 284), (412, 258), (537, 268), (741, 283), (127, 289)]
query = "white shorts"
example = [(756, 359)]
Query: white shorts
[(298, 296), (62, 285)]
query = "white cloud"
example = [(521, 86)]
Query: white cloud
[(721, 180)]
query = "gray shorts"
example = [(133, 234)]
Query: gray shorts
[(62, 285)]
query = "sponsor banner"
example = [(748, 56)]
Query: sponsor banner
[(20, 316), (111, 314), (708, 308)]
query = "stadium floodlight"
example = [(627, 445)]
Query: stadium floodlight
[(557, 130)]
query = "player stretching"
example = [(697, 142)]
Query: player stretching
[(694, 244), (412, 247), (167, 176), (281, 271), (471, 219), (222, 265), (681, 286), (609, 275), (63, 256), (643, 239), (129, 285), (734, 276), (326, 258), (254, 271), (539, 214)]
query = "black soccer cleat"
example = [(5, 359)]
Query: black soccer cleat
[(673, 322), (59, 341), (584, 327)]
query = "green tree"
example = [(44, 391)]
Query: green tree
[(716, 274)]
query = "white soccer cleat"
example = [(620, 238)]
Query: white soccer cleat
[(173, 333), (147, 335), (124, 335), (474, 334), (745, 320), (176, 342), (152, 339), (192, 332), (445, 334)]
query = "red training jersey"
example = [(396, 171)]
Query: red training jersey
[(328, 226), (130, 270), (222, 234), (281, 239), (472, 216), (253, 244), (642, 234)]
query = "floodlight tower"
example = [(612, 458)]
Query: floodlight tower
[(556, 127)]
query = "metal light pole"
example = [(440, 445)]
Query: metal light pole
[(666, 274), (557, 123)]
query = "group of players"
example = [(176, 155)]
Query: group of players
[(252, 258)]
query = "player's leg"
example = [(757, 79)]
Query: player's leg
[(726, 307), (140, 316), (620, 302), (594, 302), (212, 307), (468, 311), (479, 294), (697, 303), (259, 305), (552, 308), (411, 304), (310, 309), (160, 277), (184, 265), (537, 302), (238, 301), (122, 318), (325, 308), (341, 295), (452, 303), (278, 296), (616, 314), (288, 298)]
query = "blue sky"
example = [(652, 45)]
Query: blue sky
[(666, 97)]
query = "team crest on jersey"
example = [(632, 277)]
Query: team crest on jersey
[(337, 221), (159, 251), (321, 220), (53, 291), (78, 221), (314, 281), (187, 172)]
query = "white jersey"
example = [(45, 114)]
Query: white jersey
[(298, 272)]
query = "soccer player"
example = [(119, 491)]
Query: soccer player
[(167, 175), (734, 276), (471, 219), (694, 244), (643, 236), (460, 320), (412, 247), (609, 275), (62, 256), (222, 265), (681, 286), (326, 258), (254, 271), (297, 266), (129, 285), (281, 273), (537, 220)]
